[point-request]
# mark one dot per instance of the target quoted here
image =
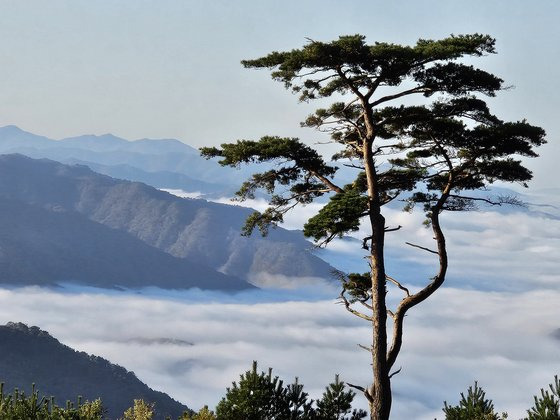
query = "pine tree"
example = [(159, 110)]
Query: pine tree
[(203, 414), (547, 405), (473, 406), (141, 410), (336, 403), (434, 154), (258, 396)]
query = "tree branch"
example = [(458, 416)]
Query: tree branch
[(421, 247), (437, 281), (353, 311), (418, 89), (327, 182), (395, 372), (400, 286), (366, 348), (393, 229)]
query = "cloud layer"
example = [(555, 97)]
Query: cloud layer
[(503, 340), (496, 320)]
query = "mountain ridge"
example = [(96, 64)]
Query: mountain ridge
[(193, 229), (30, 355)]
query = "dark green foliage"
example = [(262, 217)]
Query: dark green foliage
[(393, 64), (29, 354), (473, 406), (296, 166), (339, 216), (336, 403), (260, 396), (547, 405), (451, 145), (18, 406)]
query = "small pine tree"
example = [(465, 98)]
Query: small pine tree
[(139, 411), (336, 403), (547, 406), (203, 414), (474, 406), (17, 406), (256, 397), (300, 407)]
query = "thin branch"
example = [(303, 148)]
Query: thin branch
[(395, 372), (327, 182), (350, 85), (419, 89), (366, 305), (400, 286), (366, 348), (325, 241), (349, 165), (501, 200), (436, 282), (421, 247), (358, 387), (393, 229), (353, 311), (373, 88)]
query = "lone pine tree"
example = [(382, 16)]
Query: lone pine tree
[(431, 154)]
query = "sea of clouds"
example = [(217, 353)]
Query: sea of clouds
[(496, 320)]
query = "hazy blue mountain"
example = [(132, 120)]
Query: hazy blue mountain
[(110, 143), (160, 179), (12, 138), (48, 246), (147, 156), (200, 231), (29, 355)]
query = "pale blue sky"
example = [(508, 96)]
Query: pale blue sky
[(171, 68)]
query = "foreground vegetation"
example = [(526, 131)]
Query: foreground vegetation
[(260, 396)]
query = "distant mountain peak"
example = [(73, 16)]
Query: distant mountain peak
[(11, 127), (15, 130)]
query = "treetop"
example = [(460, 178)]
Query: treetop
[(353, 62)]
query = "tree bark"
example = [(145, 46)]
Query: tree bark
[(379, 394), (381, 399)]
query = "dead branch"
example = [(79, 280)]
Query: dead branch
[(400, 286), (366, 348), (393, 229), (395, 372), (353, 311), (421, 247)]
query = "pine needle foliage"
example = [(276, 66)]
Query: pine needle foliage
[(260, 396), (473, 406), (18, 406), (547, 404), (433, 155)]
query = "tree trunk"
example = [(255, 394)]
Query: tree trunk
[(380, 403)]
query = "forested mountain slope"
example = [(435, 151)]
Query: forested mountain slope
[(197, 230), (29, 355)]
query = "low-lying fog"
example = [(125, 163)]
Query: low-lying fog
[(495, 321)]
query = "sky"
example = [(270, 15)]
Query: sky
[(170, 69)]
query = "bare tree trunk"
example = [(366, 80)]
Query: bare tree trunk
[(379, 395), (380, 402)]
